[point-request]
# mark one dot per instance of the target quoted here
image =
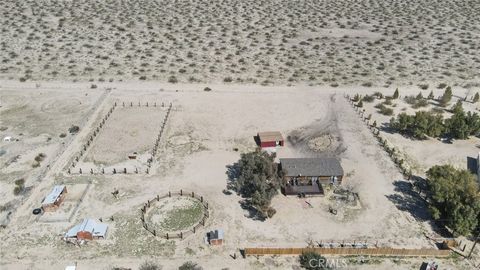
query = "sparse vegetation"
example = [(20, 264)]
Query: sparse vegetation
[(190, 266), (384, 109), (173, 44), (313, 261), (148, 265), (19, 186), (368, 98), (74, 129)]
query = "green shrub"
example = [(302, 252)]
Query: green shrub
[(189, 266), (172, 79), (423, 86), (368, 98), (420, 103), (313, 261), (40, 157), (17, 190), (150, 266), (74, 129), (442, 85), (386, 111), (20, 182)]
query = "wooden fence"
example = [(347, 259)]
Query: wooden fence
[(74, 169), (176, 235), (394, 252)]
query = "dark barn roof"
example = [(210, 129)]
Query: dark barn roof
[(311, 166)]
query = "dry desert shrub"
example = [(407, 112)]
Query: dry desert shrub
[(362, 42)]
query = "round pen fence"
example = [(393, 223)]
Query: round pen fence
[(179, 234)]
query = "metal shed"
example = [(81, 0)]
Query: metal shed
[(89, 229), (54, 198)]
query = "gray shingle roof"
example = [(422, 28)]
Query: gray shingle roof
[(311, 166)]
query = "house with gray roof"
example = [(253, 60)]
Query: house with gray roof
[(305, 176)]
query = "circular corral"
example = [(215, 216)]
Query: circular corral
[(174, 215)]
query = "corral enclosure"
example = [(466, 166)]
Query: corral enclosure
[(129, 130)]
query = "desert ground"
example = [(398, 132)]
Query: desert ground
[(205, 133), (341, 42), (85, 95)]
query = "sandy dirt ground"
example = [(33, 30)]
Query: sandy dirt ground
[(206, 133)]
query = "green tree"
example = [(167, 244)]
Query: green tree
[(396, 94), (476, 98), (313, 261), (454, 198), (360, 104), (446, 97), (258, 180), (458, 107), (431, 96), (420, 125), (457, 126), (419, 96)]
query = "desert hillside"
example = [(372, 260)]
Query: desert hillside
[(341, 42)]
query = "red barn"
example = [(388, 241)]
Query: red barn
[(270, 139)]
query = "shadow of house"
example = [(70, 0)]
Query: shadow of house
[(472, 165), (256, 138)]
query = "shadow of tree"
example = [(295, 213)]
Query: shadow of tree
[(409, 198), (233, 172), (252, 212), (385, 127), (406, 199)]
